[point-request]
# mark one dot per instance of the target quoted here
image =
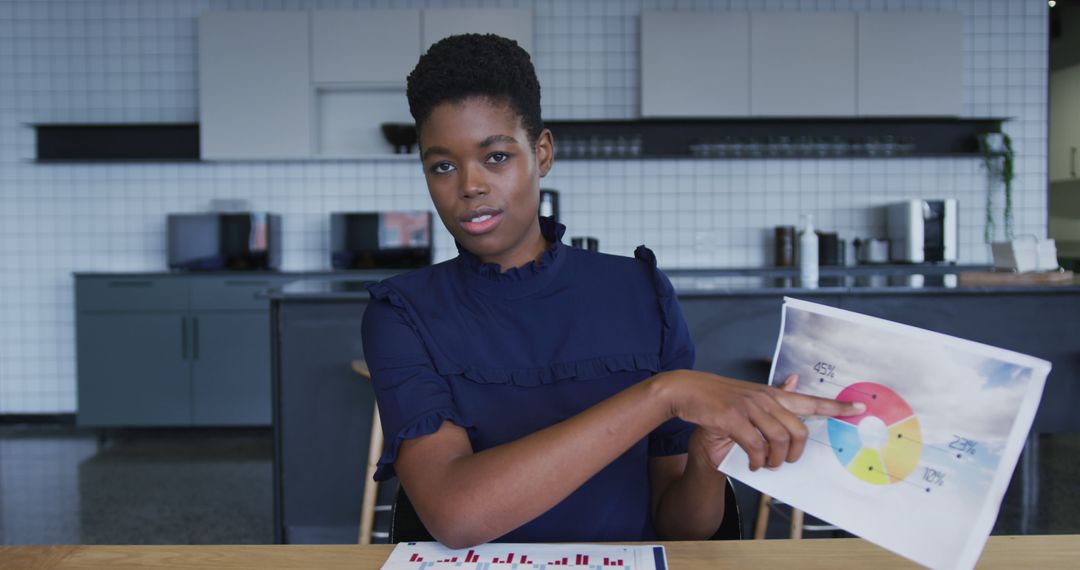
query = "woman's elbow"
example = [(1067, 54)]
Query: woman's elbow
[(456, 531), (457, 536)]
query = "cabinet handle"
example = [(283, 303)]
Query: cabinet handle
[(183, 338), (246, 283), (194, 338), (134, 283), (1072, 161)]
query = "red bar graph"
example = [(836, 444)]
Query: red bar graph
[(435, 557)]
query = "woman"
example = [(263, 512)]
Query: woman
[(534, 392)]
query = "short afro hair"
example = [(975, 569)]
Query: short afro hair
[(476, 65)]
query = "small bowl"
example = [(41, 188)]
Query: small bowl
[(401, 135)]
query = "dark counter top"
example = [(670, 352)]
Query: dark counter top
[(354, 274), (704, 284)]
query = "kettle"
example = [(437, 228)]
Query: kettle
[(872, 250)]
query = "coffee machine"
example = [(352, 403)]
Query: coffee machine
[(922, 231)]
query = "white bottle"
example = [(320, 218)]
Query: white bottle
[(808, 253)]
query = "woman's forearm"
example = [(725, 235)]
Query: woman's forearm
[(692, 506), (470, 498)]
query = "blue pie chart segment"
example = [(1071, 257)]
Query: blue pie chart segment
[(845, 440)]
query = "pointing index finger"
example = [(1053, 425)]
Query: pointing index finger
[(804, 405)]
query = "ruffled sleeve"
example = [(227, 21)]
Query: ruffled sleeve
[(413, 399), (676, 353)]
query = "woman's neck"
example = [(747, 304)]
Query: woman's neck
[(530, 249)]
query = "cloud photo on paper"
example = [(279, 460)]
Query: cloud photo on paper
[(973, 405)]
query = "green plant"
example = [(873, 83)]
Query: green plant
[(998, 161)]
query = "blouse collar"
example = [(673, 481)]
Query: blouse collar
[(517, 280)]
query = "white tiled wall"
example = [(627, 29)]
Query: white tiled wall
[(134, 61)]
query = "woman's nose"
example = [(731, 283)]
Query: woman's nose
[(473, 182)]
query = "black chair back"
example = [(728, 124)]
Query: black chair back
[(405, 524), (731, 524)]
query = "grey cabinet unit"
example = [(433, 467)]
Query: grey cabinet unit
[(323, 422), (695, 64), (1065, 124), (254, 85), (132, 369), (230, 368), (910, 63), (173, 350), (802, 65)]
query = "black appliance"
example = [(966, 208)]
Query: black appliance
[(224, 241), (549, 203), (373, 240)]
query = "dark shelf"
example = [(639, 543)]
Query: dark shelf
[(134, 142), (771, 138), (588, 140)]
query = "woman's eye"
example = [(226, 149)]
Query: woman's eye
[(442, 168), (498, 157)]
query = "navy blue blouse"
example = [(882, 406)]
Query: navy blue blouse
[(506, 354)]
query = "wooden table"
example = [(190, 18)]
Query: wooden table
[(1005, 552)]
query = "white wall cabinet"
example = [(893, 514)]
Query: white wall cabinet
[(802, 65), (254, 85), (910, 63), (368, 46), (777, 64), (1065, 124), (513, 23), (695, 64), (319, 84)]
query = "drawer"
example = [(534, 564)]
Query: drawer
[(131, 294), (233, 293)]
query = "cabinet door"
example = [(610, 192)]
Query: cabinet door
[(230, 370), (695, 64), (910, 64), (516, 24), (254, 85), (132, 369), (368, 46), (1065, 124), (803, 64)]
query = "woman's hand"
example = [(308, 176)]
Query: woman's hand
[(762, 420)]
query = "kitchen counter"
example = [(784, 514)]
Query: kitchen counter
[(699, 283)]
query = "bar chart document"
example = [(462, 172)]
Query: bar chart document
[(923, 470), (505, 556)]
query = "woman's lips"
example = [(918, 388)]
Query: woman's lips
[(479, 228)]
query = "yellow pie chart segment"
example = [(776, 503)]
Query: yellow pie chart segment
[(903, 450), (867, 466)]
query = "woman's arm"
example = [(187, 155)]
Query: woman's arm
[(687, 489), (466, 498), (688, 493)]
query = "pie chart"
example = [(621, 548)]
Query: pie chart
[(882, 445)]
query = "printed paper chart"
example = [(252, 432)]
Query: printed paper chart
[(506, 556), (922, 471), (881, 446)]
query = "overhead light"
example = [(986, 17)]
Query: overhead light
[(1053, 3)]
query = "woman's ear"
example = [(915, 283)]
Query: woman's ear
[(545, 152)]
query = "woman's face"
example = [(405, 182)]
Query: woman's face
[(484, 178)]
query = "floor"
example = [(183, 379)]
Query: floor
[(59, 485), (62, 485)]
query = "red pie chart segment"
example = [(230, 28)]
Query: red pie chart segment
[(880, 401)]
